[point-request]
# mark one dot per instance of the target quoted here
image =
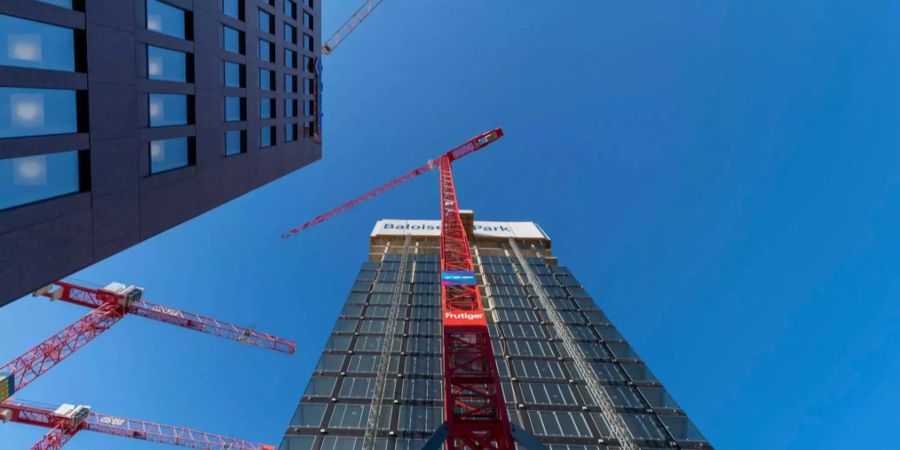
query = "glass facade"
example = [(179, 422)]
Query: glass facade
[(168, 110), (233, 40), (169, 154), (30, 179), (234, 74), (36, 112), (36, 45), (235, 142), (234, 111), (266, 137), (165, 18), (165, 64), (544, 391)]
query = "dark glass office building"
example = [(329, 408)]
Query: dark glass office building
[(546, 391), (120, 119)]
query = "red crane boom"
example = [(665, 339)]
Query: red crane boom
[(67, 420), (472, 145), (109, 306), (357, 18)]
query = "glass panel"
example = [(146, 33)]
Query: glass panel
[(297, 443), (307, 20), (266, 79), (265, 51), (290, 34), (265, 22), (165, 18), (290, 9), (290, 58), (233, 76), (290, 83), (266, 108), (35, 112), (37, 45), (309, 415), (168, 110), (29, 179), (290, 108), (233, 109), (307, 42), (265, 137), (165, 64), (320, 386), (168, 154), (290, 132), (233, 39), (63, 3), (234, 142), (232, 8)]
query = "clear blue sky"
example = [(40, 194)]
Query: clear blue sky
[(724, 177)]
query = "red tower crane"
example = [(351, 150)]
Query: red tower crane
[(474, 411), (67, 420), (109, 305)]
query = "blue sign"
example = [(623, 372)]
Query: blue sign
[(459, 278)]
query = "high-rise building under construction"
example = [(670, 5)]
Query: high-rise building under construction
[(547, 392)]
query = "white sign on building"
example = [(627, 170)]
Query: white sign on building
[(399, 227)]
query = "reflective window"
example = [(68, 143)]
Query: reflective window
[(234, 74), (307, 20), (558, 423), (309, 415), (165, 64), (165, 18), (235, 142), (308, 42), (29, 179), (266, 136), (234, 110), (35, 112), (233, 40), (290, 107), (266, 80), (298, 443), (26, 43), (266, 50), (308, 65), (290, 132), (290, 33), (168, 110), (309, 3), (682, 428), (320, 386), (290, 9), (420, 418), (233, 8), (266, 108), (330, 363), (168, 154), (63, 3), (290, 58), (266, 22), (351, 443), (290, 83)]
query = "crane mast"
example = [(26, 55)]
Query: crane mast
[(474, 411), (67, 420)]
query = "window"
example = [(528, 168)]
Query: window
[(419, 418), (308, 108), (266, 22), (266, 80), (330, 363), (36, 45), (290, 83), (166, 19), (30, 179), (309, 415), (266, 51), (36, 112), (233, 8), (320, 386), (308, 42), (290, 9), (309, 86), (266, 136), (233, 40), (63, 3), (308, 65), (290, 33), (290, 132), (234, 74), (168, 110), (290, 107), (165, 64), (309, 3), (266, 108), (235, 142), (235, 109), (547, 394), (290, 58), (169, 154), (558, 423), (308, 20)]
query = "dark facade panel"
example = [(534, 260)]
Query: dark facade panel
[(124, 71)]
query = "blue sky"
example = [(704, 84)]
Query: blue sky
[(722, 176)]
